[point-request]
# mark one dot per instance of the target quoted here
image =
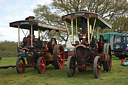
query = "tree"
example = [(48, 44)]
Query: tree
[(45, 14), (120, 24), (110, 10)]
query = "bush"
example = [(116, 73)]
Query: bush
[(8, 49)]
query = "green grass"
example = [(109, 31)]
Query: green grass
[(118, 76), (8, 61)]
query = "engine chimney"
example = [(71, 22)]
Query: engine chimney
[(30, 18)]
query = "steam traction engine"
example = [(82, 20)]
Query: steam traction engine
[(88, 52), (35, 52)]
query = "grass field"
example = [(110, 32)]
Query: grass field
[(118, 76)]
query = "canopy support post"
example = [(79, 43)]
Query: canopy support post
[(102, 32), (38, 33), (98, 34), (67, 27), (18, 36), (72, 31), (88, 31), (93, 28), (58, 37), (31, 36), (76, 28), (91, 33)]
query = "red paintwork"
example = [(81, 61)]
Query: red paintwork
[(48, 57)]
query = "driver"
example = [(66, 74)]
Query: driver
[(27, 40)]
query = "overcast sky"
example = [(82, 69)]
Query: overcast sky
[(14, 10)]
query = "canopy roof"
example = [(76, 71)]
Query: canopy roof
[(92, 16), (26, 24)]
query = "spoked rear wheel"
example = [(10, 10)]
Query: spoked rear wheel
[(107, 64), (97, 67), (70, 66), (41, 65), (59, 57), (20, 65)]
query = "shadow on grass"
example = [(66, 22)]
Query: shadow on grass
[(61, 73), (51, 73)]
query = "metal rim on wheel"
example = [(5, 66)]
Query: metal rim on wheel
[(41, 65), (107, 64), (70, 66), (59, 57), (109, 58), (20, 65), (97, 67)]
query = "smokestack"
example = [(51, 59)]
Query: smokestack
[(30, 18)]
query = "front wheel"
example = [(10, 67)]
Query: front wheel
[(97, 67), (70, 66), (20, 65), (41, 65)]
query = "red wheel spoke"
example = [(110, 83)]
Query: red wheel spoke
[(41, 69), (59, 57), (40, 65), (61, 52), (20, 65), (59, 64), (61, 60)]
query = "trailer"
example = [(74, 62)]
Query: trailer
[(109, 37), (121, 46)]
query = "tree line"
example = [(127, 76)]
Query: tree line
[(8, 49), (115, 12)]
